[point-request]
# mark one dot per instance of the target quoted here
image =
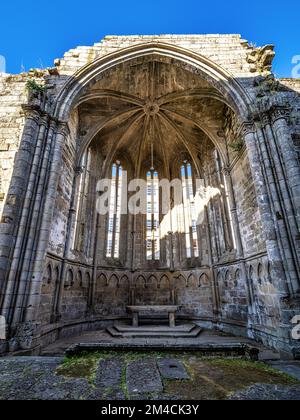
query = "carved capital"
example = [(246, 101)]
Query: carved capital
[(62, 128), (278, 112), (32, 112), (247, 127), (265, 119)]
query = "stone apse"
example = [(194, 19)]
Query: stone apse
[(158, 107)]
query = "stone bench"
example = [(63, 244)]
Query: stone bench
[(169, 310)]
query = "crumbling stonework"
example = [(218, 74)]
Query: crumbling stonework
[(210, 100)]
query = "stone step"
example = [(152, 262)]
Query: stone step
[(233, 350), (155, 334), (184, 328)]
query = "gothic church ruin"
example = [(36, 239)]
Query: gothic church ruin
[(156, 107)]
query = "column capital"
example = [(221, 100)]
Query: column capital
[(32, 112), (279, 112), (62, 128), (246, 127), (265, 119)]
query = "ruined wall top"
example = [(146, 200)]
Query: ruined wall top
[(229, 51)]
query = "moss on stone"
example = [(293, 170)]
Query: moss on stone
[(217, 379)]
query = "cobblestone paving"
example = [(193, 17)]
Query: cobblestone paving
[(36, 378)]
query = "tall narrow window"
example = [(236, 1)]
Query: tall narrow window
[(114, 220), (153, 241), (190, 216), (80, 240)]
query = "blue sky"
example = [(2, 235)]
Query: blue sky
[(34, 33)]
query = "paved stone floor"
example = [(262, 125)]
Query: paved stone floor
[(133, 376)]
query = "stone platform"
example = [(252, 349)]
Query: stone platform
[(207, 344), (124, 330)]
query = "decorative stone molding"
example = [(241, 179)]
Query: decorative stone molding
[(278, 112), (246, 127), (62, 128), (265, 119)]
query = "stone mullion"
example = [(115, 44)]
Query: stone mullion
[(73, 207), (223, 207), (216, 234), (47, 214), (93, 210), (213, 228), (87, 207), (234, 213), (115, 211), (226, 219), (283, 229), (214, 285), (289, 157), (189, 210), (274, 255), (81, 201), (14, 232)]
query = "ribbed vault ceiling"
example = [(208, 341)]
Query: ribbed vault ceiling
[(150, 104)]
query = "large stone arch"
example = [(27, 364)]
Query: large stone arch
[(231, 92)]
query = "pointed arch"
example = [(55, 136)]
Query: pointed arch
[(204, 280), (164, 282), (192, 281), (79, 279), (69, 281), (102, 280), (140, 282), (124, 281), (113, 281), (152, 282), (180, 282), (232, 93)]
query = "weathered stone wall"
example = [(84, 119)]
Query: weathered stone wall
[(229, 51), (75, 296), (12, 95), (190, 289), (247, 208)]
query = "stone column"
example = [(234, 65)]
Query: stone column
[(36, 186), (279, 116), (281, 203), (13, 223), (248, 131), (47, 215)]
